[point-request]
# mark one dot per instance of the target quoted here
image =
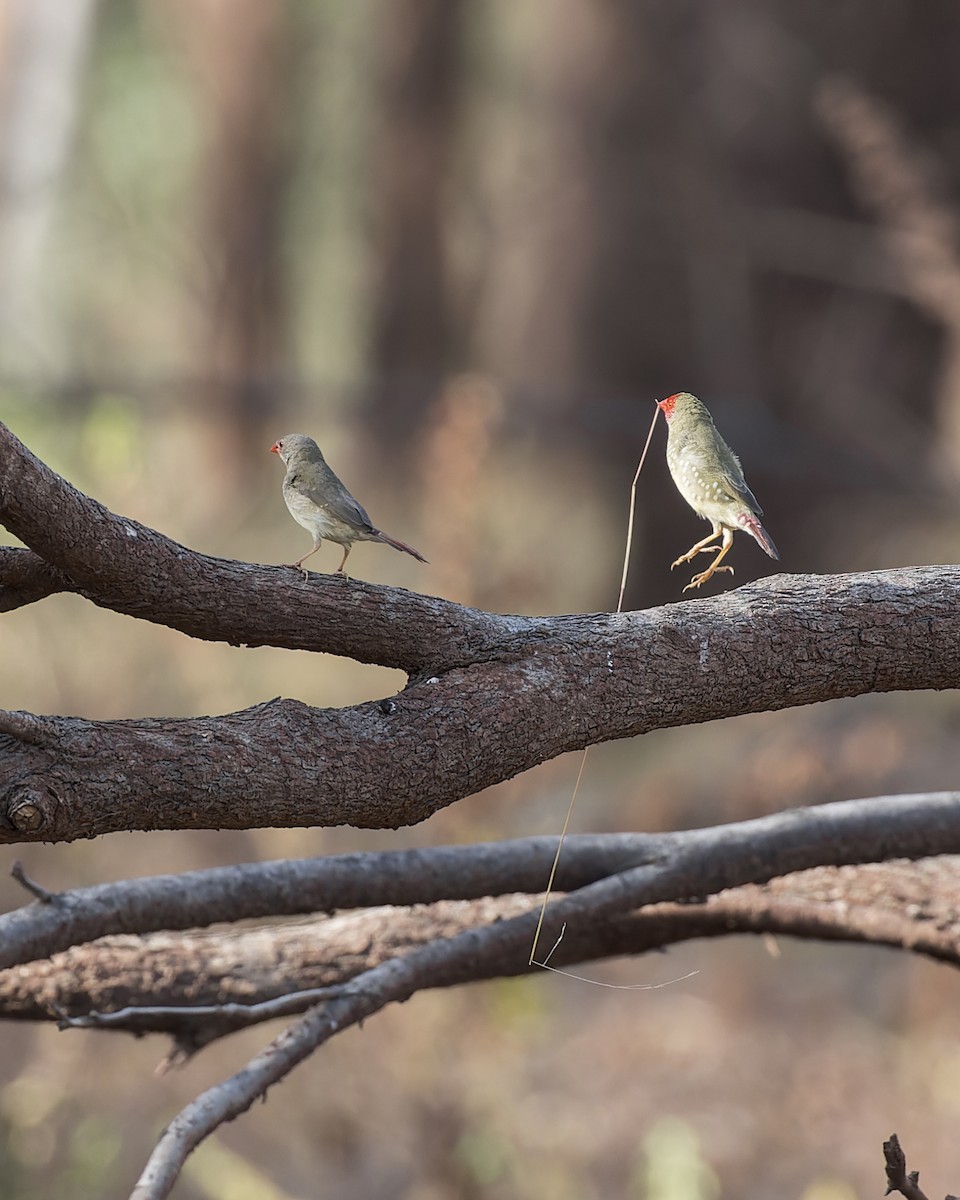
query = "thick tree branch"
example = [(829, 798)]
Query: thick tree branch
[(493, 696), (578, 680)]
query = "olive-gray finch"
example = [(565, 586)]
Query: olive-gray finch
[(709, 477), (321, 504)]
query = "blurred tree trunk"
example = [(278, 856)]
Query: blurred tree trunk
[(416, 91), (581, 296), (537, 320), (241, 55), (43, 48)]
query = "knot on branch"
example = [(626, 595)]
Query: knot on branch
[(29, 810)]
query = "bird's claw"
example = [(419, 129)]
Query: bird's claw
[(692, 554), (697, 580)]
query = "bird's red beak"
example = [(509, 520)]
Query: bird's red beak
[(275, 448)]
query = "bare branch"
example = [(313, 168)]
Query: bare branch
[(743, 858), (343, 881), (197, 987), (203, 986), (897, 1178), (25, 578), (850, 832)]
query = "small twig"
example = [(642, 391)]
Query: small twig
[(227, 1017), (897, 1178), (632, 510), (34, 888), (194, 1027)]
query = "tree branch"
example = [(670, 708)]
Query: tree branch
[(909, 906), (578, 680), (489, 696), (196, 987), (853, 831), (493, 696), (25, 578), (258, 891), (738, 854), (896, 1168)]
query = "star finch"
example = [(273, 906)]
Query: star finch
[(709, 477), (321, 504)]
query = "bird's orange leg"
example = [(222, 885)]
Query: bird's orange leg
[(346, 550), (702, 547), (714, 567), (303, 558)]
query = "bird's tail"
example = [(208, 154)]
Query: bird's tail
[(759, 534), (380, 536)]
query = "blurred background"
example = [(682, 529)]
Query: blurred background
[(465, 245)]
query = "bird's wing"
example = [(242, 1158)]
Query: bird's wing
[(343, 506), (732, 475), (334, 498)]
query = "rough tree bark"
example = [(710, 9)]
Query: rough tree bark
[(487, 696)]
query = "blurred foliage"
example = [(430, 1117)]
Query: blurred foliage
[(674, 1168)]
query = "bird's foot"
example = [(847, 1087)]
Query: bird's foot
[(702, 578), (693, 554), (297, 567)]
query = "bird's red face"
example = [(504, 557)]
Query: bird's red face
[(667, 406)]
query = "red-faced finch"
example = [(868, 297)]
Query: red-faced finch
[(709, 477)]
